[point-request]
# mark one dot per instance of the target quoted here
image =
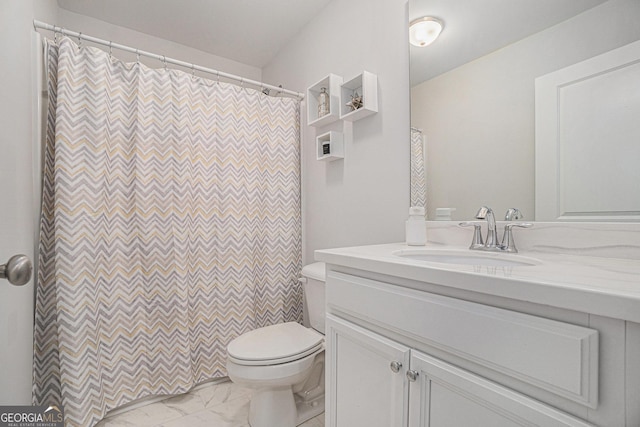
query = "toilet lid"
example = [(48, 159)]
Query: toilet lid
[(315, 271), (279, 343)]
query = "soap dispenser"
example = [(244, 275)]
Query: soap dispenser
[(416, 227)]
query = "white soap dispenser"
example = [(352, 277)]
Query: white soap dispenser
[(416, 227)]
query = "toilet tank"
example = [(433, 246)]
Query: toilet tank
[(313, 278)]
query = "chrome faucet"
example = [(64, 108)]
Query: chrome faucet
[(491, 244), (492, 233)]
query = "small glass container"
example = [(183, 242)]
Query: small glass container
[(323, 102)]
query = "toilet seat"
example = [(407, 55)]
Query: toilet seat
[(276, 344)]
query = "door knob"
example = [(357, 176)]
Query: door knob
[(17, 270), (395, 366), (412, 375)]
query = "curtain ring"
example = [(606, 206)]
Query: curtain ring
[(55, 34), (218, 76), (164, 60), (110, 49), (241, 82), (193, 71), (137, 56), (79, 39)]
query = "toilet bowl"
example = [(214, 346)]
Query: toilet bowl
[(283, 364)]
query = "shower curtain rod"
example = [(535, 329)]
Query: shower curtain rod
[(43, 25)]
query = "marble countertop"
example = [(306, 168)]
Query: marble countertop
[(603, 286)]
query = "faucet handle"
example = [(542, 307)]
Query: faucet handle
[(518, 224), (513, 213), (477, 241), (508, 244)]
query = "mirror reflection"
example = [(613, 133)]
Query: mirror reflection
[(473, 92)]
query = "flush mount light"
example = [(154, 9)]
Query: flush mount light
[(424, 31)]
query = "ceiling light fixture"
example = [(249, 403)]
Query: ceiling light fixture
[(424, 31)]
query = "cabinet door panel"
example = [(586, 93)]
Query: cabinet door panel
[(447, 396), (451, 409), (362, 389)]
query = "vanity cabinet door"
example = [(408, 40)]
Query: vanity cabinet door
[(366, 377), (443, 395)]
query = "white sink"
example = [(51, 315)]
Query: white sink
[(488, 259)]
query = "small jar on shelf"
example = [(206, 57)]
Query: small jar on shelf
[(329, 146), (323, 103), (323, 98)]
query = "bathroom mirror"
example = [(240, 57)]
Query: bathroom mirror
[(473, 96)]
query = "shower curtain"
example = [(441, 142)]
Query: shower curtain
[(418, 173), (170, 225)]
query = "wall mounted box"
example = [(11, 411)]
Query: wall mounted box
[(365, 84), (330, 146), (332, 84)]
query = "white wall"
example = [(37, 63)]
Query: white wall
[(138, 40), (18, 205), (364, 198), (479, 118), (45, 10)]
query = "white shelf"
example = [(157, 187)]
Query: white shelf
[(332, 84), (329, 146), (366, 85)]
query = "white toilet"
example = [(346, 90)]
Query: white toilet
[(284, 363)]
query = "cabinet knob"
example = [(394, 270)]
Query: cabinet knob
[(395, 366), (412, 375)]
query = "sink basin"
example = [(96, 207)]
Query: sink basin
[(488, 259)]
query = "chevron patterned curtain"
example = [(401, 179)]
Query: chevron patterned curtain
[(170, 225), (418, 173)]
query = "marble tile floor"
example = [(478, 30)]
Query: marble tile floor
[(216, 405)]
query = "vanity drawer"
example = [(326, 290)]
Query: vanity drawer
[(558, 357)]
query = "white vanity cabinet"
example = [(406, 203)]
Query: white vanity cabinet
[(375, 381), (400, 356)]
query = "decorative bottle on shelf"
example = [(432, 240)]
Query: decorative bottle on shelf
[(416, 227), (323, 102)]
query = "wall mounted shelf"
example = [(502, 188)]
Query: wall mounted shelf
[(332, 85), (330, 146), (365, 85)]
